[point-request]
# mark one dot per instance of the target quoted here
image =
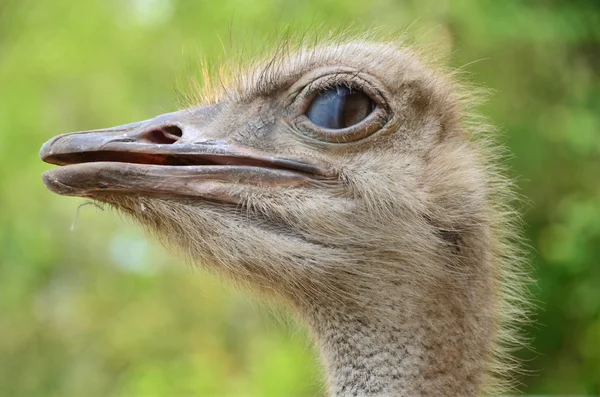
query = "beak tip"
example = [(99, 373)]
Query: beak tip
[(49, 182), (55, 185), (46, 150)]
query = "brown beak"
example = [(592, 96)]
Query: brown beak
[(165, 156)]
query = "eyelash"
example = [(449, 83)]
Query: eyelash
[(326, 82)]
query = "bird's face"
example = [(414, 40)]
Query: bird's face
[(303, 171)]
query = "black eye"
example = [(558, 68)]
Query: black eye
[(339, 107)]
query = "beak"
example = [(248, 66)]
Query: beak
[(170, 156)]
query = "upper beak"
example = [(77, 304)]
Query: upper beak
[(168, 155)]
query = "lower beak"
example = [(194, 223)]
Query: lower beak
[(164, 157)]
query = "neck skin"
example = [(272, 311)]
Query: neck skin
[(434, 346)]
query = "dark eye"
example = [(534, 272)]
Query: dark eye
[(339, 107)]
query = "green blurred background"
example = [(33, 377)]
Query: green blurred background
[(102, 311)]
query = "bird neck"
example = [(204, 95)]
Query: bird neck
[(438, 346)]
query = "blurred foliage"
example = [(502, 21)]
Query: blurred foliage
[(101, 311)]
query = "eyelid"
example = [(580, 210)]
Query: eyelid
[(320, 78), (355, 82), (367, 127)]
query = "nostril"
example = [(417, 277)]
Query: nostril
[(166, 135)]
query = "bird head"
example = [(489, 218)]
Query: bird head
[(321, 172)]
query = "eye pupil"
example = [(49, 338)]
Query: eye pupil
[(339, 107)]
